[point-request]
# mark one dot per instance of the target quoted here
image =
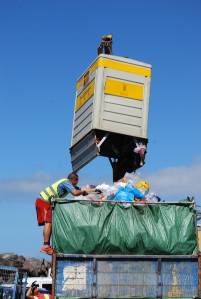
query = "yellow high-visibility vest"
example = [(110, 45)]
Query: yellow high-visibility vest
[(52, 191)]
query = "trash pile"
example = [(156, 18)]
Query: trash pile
[(130, 189)]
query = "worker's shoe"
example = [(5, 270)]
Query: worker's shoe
[(47, 249)]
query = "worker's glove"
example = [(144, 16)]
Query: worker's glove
[(84, 193), (52, 199), (98, 191)]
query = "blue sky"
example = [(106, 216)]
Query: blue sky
[(45, 46)]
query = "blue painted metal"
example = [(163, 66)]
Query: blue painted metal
[(127, 279), (8, 281), (180, 278), (132, 277), (74, 278)]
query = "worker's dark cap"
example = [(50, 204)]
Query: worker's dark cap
[(73, 175)]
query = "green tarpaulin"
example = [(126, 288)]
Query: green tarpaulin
[(88, 228)]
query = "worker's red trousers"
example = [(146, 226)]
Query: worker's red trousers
[(44, 211)]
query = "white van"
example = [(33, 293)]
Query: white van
[(43, 282)]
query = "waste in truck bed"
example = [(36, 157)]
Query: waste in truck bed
[(111, 110)]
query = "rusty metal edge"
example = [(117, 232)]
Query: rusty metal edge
[(199, 276), (159, 284), (83, 256), (66, 200), (54, 260)]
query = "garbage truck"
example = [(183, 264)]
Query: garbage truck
[(112, 250)]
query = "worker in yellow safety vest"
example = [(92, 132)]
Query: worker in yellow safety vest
[(58, 189), (35, 293)]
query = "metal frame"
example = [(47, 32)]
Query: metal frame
[(53, 266), (66, 200), (120, 256)]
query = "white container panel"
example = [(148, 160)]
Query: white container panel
[(146, 108), (127, 103), (112, 126), (80, 134), (124, 76), (123, 119), (82, 121), (123, 109), (98, 98), (82, 126), (82, 117), (85, 107)]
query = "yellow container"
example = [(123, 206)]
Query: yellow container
[(112, 97)]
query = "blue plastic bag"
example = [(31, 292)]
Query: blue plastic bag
[(128, 193)]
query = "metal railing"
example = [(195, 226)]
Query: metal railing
[(12, 283), (74, 199), (8, 282)]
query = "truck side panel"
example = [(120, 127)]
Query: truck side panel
[(113, 277)]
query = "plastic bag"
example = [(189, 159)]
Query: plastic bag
[(107, 190), (152, 197), (128, 193)]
